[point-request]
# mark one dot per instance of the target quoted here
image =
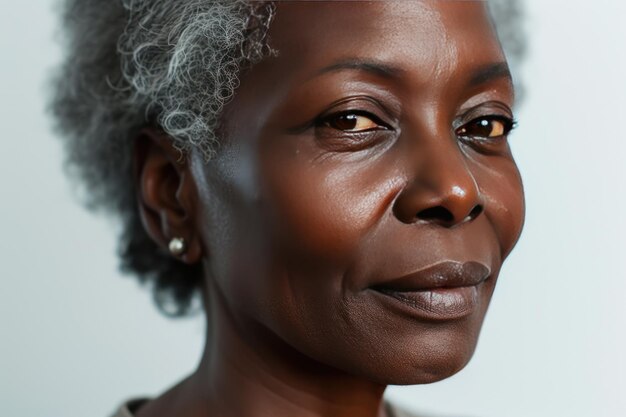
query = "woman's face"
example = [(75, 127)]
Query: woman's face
[(365, 196)]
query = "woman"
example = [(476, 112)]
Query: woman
[(333, 178)]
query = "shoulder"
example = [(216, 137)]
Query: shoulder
[(128, 408), (394, 410)]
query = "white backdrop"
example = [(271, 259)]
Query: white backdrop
[(77, 339)]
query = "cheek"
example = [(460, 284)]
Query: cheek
[(326, 208), (504, 195)]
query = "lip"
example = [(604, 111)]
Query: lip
[(443, 291)]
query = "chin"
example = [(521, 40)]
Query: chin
[(425, 369), (429, 354), (439, 369)]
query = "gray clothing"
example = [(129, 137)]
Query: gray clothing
[(127, 409)]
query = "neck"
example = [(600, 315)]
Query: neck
[(252, 372), (248, 371)]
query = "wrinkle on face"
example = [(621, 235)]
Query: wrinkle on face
[(324, 222)]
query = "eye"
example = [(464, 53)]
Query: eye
[(352, 130), (353, 122), (487, 127)]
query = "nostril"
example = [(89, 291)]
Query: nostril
[(441, 215), (437, 214), (475, 212)]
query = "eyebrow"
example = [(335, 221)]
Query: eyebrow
[(489, 73), (372, 67), (480, 76)]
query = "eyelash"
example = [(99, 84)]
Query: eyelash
[(508, 125), (463, 132), (325, 120)]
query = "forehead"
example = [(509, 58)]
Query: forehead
[(428, 37)]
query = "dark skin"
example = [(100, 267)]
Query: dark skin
[(373, 146)]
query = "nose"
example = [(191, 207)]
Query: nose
[(442, 190)]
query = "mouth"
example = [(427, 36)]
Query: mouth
[(444, 291)]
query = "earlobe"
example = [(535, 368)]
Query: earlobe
[(166, 193)]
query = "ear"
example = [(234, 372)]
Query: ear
[(166, 193)]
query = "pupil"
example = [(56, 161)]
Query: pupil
[(346, 122), (484, 128)]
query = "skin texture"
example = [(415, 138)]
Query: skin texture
[(300, 218)]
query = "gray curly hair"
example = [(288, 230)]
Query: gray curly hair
[(171, 64)]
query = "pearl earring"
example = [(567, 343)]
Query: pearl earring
[(177, 246)]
